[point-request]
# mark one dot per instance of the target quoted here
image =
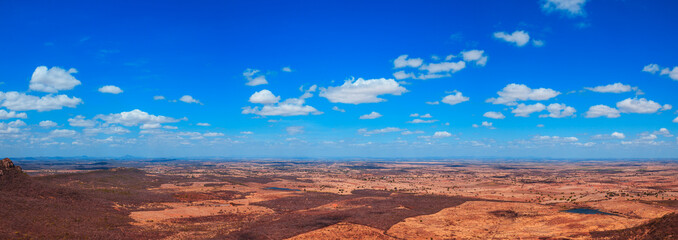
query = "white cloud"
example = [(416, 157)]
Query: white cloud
[(158, 97), (110, 89), (442, 134), (422, 121), (105, 130), (635, 105), (673, 74), (519, 38), (53, 80), (372, 115), (189, 99), (618, 135), (17, 123), (557, 110), (651, 68), (136, 117), (538, 43), (247, 132), (523, 110), (602, 111), (366, 132), (519, 92), (11, 114), (80, 121), (402, 62), (203, 124), (442, 67), (433, 103), (426, 116), (540, 125), (264, 97), (289, 107), (455, 98), (335, 108), (414, 115), (484, 124), (287, 69), (292, 130), (476, 56), (47, 124), (22, 102), (664, 132), (403, 75), (62, 133), (362, 91), (407, 132), (568, 7), (254, 77), (495, 115), (675, 120), (555, 139), (213, 134), (611, 88)]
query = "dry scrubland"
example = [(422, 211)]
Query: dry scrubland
[(175, 199)]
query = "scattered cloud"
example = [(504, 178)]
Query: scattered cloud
[(292, 130), (47, 124), (512, 93), (289, 107), (53, 80), (203, 124), (442, 134), (433, 103), (602, 111), (422, 121), (189, 99), (611, 88), (557, 110), (571, 8), (476, 56), (523, 110), (654, 68), (366, 132), (158, 97), (519, 38), (80, 121), (372, 115), (651, 68), (362, 91), (455, 98), (22, 102), (484, 124), (494, 115), (136, 117), (247, 132), (618, 135), (264, 97), (11, 114), (635, 105), (402, 62), (62, 133), (287, 69), (254, 77), (335, 108), (110, 89)]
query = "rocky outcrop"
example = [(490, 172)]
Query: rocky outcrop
[(7, 168)]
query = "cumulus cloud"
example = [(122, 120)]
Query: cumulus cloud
[(557, 110), (523, 110), (158, 97), (362, 91), (673, 73), (53, 80), (264, 97), (675, 120), (442, 134), (254, 77), (570, 8), (110, 89), (476, 56), (494, 115), (444, 67), (80, 121), (635, 105), (425, 116), (618, 135), (289, 107), (203, 124), (602, 111), (136, 117), (555, 139), (62, 133), (455, 98), (47, 124), (21, 102), (402, 61), (372, 115), (519, 38), (403, 75), (651, 68), (422, 121), (213, 134), (11, 114), (519, 92), (189, 99), (484, 124), (287, 69), (611, 88)]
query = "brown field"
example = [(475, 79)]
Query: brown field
[(182, 199)]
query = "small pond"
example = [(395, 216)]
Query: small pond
[(587, 211)]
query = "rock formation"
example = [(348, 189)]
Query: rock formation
[(7, 168)]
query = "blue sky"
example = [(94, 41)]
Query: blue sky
[(537, 79)]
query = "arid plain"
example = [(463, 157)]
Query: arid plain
[(299, 199)]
